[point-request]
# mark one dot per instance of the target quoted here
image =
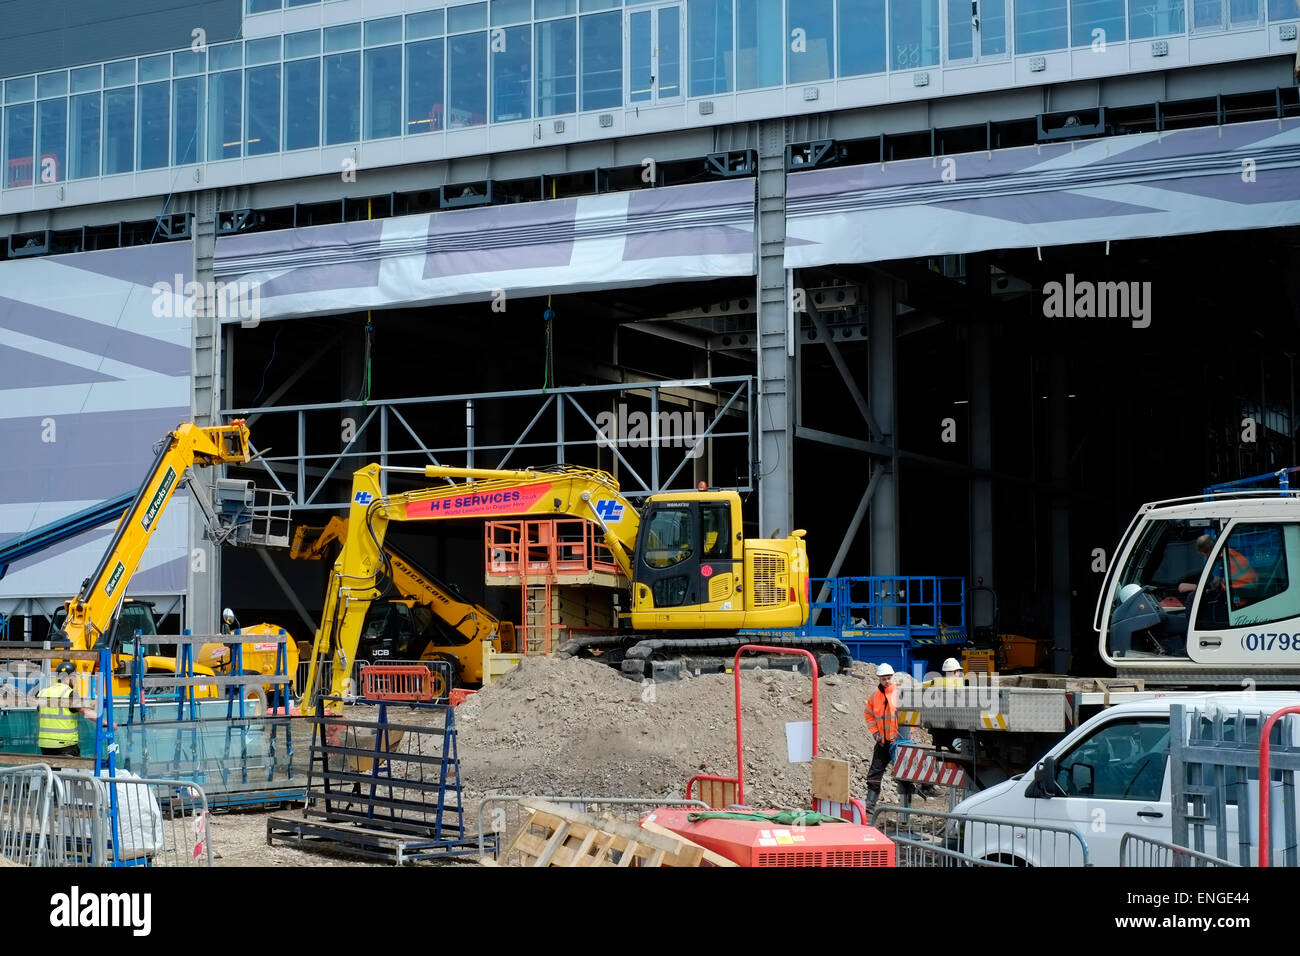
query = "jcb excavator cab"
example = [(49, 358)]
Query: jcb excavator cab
[(132, 617)]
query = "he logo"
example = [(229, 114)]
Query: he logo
[(609, 510), (363, 498)]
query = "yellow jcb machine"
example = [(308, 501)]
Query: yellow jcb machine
[(396, 628), (695, 579)]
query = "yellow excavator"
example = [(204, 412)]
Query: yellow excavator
[(695, 579), (99, 616), (431, 621)]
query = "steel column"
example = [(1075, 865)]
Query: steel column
[(884, 504), (203, 558), (773, 346)]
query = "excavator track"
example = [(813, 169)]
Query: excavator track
[(666, 657)]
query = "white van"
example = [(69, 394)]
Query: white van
[(1108, 777)]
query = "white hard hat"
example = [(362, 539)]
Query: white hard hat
[(884, 670), (951, 665), (1128, 590)]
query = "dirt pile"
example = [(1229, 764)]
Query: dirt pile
[(578, 727)]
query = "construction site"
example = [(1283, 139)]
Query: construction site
[(677, 433)]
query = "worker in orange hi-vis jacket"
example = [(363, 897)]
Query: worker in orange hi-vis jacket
[(881, 714)]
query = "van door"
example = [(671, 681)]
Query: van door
[(1112, 782)]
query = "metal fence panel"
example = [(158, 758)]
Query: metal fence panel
[(1140, 851), (936, 838), (26, 795), (133, 821)]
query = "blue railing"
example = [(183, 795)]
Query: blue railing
[(891, 619)]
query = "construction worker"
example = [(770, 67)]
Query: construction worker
[(1241, 576), (881, 714), (952, 676), (57, 731)]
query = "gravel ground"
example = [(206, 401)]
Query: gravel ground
[(579, 727)]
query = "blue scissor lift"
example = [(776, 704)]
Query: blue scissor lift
[(900, 620)]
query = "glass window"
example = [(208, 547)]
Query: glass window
[(760, 45), (152, 121), (263, 6), (511, 11), (861, 37), (23, 88), (299, 3), (472, 16), (262, 99), (225, 112), (20, 130), (342, 98), (709, 46), (914, 33), (1283, 9), (424, 71), (223, 56), (420, 26), (189, 62), (715, 523), (380, 32), (1155, 18), (155, 68), (1245, 13), (382, 110), (602, 61), (512, 58), (586, 6), (86, 78), (557, 67), (668, 537), (119, 130), (810, 57), (52, 84), (976, 29), (554, 8), (83, 147), (52, 140), (187, 120), (467, 80), (1088, 17), (306, 43), (1041, 25), (120, 73), (345, 37), (1249, 581), (302, 93), (265, 50), (1123, 760)]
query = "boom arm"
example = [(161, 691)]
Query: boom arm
[(91, 612), (570, 491)]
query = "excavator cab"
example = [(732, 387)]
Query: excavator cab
[(688, 555)]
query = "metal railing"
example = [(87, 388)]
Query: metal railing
[(644, 432), (72, 818), (1140, 851), (506, 819), (937, 838), (26, 798)]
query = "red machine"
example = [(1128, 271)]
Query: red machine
[(760, 843)]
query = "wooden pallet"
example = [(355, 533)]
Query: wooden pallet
[(555, 836)]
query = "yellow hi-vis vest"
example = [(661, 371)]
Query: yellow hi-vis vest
[(58, 723)]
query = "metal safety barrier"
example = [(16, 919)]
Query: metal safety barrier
[(132, 821), (26, 797), (72, 818), (1140, 851), (938, 838), (397, 682), (506, 818), (440, 675)]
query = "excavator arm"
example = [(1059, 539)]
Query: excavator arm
[(91, 612), (354, 581)]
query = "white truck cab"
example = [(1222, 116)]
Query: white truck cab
[(1108, 777)]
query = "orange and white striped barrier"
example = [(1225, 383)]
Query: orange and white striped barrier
[(918, 765)]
